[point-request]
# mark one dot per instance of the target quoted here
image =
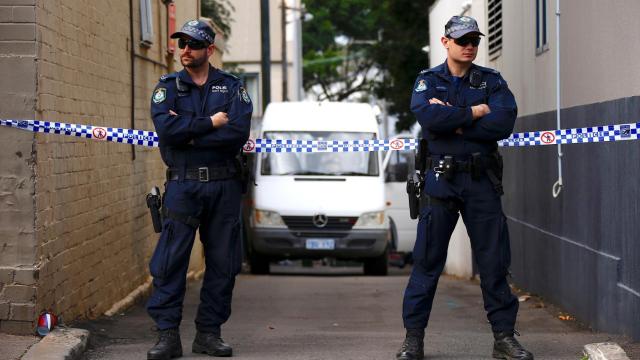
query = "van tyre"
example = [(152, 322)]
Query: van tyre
[(259, 264), (377, 266)]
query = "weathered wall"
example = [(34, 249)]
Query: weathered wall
[(75, 235), (17, 237), (580, 250)]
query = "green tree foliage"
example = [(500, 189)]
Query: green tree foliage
[(339, 69), (219, 11), (406, 32), (383, 52)]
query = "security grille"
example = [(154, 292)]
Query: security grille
[(306, 222), (495, 27)]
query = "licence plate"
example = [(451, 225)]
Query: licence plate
[(321, 244)]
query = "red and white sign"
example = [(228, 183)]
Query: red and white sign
[(396, 144), (249, 146), (548, 137), (99, 133)]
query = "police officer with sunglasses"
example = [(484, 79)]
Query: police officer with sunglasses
[(202, 116), (463, 110)]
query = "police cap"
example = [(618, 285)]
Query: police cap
[(195, 29), (459, 26)]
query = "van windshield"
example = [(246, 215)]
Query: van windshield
[(334, 164)]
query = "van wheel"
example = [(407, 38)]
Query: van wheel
[(259, 264), (377, 266)]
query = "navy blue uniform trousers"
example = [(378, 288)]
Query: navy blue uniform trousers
[(481, 211), (217, 205)]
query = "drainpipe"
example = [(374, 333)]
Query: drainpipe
[(557, 187), (133, 77)]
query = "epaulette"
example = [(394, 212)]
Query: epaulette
[(425, 71), (489, 70), (167, 77), (228, 74)]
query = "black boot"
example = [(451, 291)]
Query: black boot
[(507, 347), (413, 346), (211, 344), (168, 345)]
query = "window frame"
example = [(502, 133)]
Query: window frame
[(542, 38), (146, 23), (494, 32)]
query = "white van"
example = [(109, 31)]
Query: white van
[(316, 205)]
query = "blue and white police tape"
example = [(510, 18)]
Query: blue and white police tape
[(619, 132), (119, 135)]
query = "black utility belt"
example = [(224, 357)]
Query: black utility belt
[(203, 174), (474, 163)]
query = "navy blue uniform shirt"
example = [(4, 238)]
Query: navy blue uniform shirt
[(439, 122), (189, 139)]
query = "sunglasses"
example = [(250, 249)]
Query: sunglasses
[(193, 44), (464, 41)]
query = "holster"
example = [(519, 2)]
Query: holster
[(244, 172), (413, 191), (154, 203)]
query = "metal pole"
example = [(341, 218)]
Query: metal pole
[(283, 27), (266, 53), (557, 187), (297, 56)]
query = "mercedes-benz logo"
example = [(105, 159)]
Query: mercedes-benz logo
[(320, 220)]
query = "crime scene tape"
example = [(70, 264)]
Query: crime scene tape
[(606, 133)]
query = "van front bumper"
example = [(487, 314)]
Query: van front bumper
[(285, 243)]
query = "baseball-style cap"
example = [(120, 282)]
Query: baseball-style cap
[(459, 26), (195, 29)]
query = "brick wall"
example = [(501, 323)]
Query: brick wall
[(74, 228), (17, 178)]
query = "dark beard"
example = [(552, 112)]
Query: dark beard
[(195, 63)]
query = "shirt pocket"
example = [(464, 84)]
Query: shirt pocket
[(442, 93)]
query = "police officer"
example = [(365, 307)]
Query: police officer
[(202, 116), (463, 110)]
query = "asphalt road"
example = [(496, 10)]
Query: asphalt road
[(337, 313)]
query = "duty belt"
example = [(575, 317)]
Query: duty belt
[(477, 165), (203, 174)]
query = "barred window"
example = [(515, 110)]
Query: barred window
[(146, 25), (494, 12), (542, 44)]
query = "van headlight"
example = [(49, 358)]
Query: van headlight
[(267, 218), (369, 219)]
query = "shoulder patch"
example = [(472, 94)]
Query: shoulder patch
[(244, 95), (159, 95), (422, 86)]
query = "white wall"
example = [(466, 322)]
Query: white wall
[(600, 48), (244, 43)]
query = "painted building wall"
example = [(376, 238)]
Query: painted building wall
[(244, 47), (579, 250)]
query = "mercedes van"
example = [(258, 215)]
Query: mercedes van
[(310, 205)]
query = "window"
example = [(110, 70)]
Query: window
[(541, 27), (327, 164), (146, 25), (494, 12)]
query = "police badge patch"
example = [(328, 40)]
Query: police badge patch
[(159, 95), (244, 95), (422, 86)]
